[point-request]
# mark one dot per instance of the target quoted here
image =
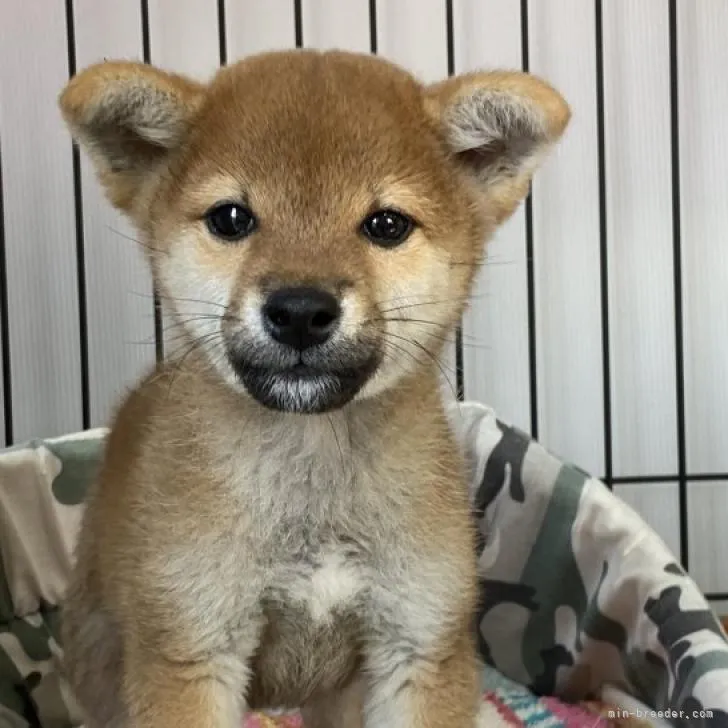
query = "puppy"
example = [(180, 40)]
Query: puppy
[(282, 516)]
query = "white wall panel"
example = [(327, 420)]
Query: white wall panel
[(39, 221), (495, 329), (184, 36), (413, 34), (703, 93), (658, 504), (120, 308), (254, 26), (707, 535), (566, 246), (336, 24), (639, 225)]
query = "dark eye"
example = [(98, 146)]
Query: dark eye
[(230, 221), (387, 228)]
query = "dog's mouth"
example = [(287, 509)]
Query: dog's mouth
[(303, 388)]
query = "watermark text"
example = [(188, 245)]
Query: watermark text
[(666, 714)]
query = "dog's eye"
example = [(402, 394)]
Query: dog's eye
[(387, 228), (230, 221)]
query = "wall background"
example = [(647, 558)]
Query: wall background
[(600, 323)]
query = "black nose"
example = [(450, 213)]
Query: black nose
[(301, 317)]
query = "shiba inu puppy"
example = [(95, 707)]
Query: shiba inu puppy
[(282, 516)]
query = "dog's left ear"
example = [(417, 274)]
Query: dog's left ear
[(129, 117), (499, 126)]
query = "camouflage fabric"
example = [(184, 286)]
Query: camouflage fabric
[(578, 592), (42, 486)]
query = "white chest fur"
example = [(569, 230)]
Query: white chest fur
[(332, 583)]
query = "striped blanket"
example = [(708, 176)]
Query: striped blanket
[(507, 704)]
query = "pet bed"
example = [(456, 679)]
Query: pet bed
[(581, 600)]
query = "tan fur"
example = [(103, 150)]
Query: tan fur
[(234, 556)]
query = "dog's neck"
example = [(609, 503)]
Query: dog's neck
[(315, 472)]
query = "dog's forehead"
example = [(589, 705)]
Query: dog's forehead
[(318, 85), (314, 115)]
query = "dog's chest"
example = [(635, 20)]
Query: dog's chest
[(322, 585), (312, 628), (317, 517)]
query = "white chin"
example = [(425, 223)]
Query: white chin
[(301, 395)]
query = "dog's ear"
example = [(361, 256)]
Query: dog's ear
[(128, 117), (499, 126)]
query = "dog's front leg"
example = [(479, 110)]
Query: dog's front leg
[(435, 690), (421, 655), (180, 671), (207, 693)]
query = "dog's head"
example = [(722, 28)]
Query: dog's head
[(314, 221)]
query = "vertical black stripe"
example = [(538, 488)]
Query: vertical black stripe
[(80, 243), (373, 33), (222, 31), (603, 242), (530, 270), (5, 321), (677, 269), (459, 356), (298, 22), (146, 48), (158, 319), (450, 26)]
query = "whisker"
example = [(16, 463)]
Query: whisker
[(417, 344), (197, 317), (401, 350), (177, 324), (137, 241), (473, 263), (407, 320), (433, 357), (198, 344), (458, 299), (447, 372), (404, 297), (451, 340), (338, 444), (133, 342), (177, 299), (204, 338), (484, 263), (180, 336), (403, 319), (467, 339)]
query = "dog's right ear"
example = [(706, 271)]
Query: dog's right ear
[(128, 117)]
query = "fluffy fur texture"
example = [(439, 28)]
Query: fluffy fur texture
[(237, 556)]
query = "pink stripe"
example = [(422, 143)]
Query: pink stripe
[(574, 716), (509, 717)]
